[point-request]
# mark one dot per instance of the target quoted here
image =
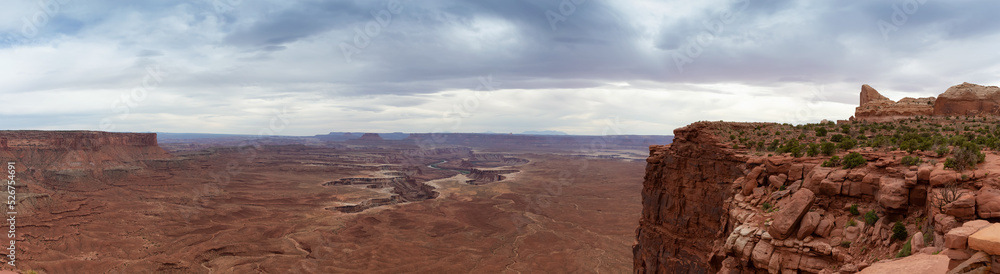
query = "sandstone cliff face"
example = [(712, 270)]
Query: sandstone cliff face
[(54, 158), (965, 99), (683, 212), (968, 99), (712, 208), (877, 108)]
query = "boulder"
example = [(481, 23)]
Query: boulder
[(810, 264), (761, 254), (893, 194), (814, 178), (808, 225), (941, 177), (963, 208), (829, 187), (917, 241), (851, 233), (924, 173), (857, 174), (825, 226), (777, 180), (787, 217), (958, 237), (986, 239), (795, 172), (913, 264), (910, 177), (978, 262), (988, 202), (748, 186), (957, 254), (944, 222), (795, 186), (777, 195), (838, 175), (869, 184)]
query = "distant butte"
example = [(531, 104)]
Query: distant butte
[(965, 99)]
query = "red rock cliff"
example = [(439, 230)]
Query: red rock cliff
[(960, 100), (683, 195)]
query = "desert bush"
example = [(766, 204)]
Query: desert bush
[(847, 143), (813, 150), (834, 161), (967, 155), (836, 138), (899, 231), (821, 131), (947, 194), (905, 251), (828, 148), (853, 160), (871, 217), (911, 160), (854, 209)]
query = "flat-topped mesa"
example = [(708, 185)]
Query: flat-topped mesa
[(57, 158), (877, 108), (72, 140), (969, 100)]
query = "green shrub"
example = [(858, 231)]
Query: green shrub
[(871, 217), (853, 160), (828, 148), (911, 160), (854, 210), (821, 131), (766, 206), (899, 231), (813, 150), (852, 222), (941, 151), (847, 144), (905, 251), (834, 161), (836, 138)]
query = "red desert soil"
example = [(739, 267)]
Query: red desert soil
[(271, 213)]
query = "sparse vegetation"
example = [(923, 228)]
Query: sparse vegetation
[(854, 210), (834, 161), (905, 251), (852, 222), (911, 160), (853, 160), (871, 217), (899, 231)]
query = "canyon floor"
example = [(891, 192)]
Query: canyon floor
[(274, 209)]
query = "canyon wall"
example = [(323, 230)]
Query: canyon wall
[(711, 206), (683, 213), (55, 158)]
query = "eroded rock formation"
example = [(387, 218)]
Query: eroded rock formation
[(56, 158), (683, 196), (965, 99), (709, 207), (875, 107)]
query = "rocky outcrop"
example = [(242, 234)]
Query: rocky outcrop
[(683, 197), (482, 176), (875, 107), (965, 99), (968, 99)]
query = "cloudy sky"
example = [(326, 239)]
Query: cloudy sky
[(593, 67)]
